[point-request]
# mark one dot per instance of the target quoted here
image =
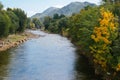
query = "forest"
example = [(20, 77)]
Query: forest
[(14, 21)]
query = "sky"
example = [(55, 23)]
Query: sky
[(32, 7)]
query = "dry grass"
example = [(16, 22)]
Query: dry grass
[(14, 38)]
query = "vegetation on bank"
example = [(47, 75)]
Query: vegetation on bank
[(96, 30), (13, 23), (12, 41)]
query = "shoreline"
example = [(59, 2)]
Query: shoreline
[(15, 40)]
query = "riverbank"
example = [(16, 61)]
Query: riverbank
[(15, 40)]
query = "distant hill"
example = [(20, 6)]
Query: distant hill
[(67, 10)]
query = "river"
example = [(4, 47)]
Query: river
[(49, 57)]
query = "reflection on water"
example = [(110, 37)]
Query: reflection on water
[(51, 57), (4, 64), (84, 72)]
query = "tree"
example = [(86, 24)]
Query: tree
[(61, 16), (53, 27), (111, 1), (47, 21), (56, 16), (14, 21), (22, 19), (81, 26), (103, 37), (28, 23), (62, 23), (4, 24), (1, 6), (37, 22)]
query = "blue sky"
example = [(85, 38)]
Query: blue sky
[(36, 6)]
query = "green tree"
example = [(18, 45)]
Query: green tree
[(28, 23), (81, 26), (53, 27), (111, 1), (4, 24), (47, 21), (56, 16), (22, 19), (62, 16), (37, 22), (62, 23), (14, 21), (1, 6)]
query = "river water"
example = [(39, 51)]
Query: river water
[(50, 57)]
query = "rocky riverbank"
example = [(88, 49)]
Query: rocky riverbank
[(15, 40)]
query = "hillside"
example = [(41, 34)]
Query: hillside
[(67, 10)]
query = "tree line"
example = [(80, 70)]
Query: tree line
[(96, 31), (14, 21)]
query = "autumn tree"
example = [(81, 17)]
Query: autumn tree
[(103, 36)]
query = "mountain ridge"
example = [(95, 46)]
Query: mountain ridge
[(68, 10)]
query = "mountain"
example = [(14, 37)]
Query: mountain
[(48, 12), (74, 7), (67, 10)]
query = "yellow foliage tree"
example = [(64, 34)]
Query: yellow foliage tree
[(103, 36)]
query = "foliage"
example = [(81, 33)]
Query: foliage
[(95, 31), (22, 19), (37, 23), (62, 24), (31, 25), (53, 27), (81, 26), (14, 21), (56, 16), (4, 24), (103, 37), (28, 23), (56, 23), (11, 21), (1, 6), (47, 21), (61, 16), (111, 1)]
